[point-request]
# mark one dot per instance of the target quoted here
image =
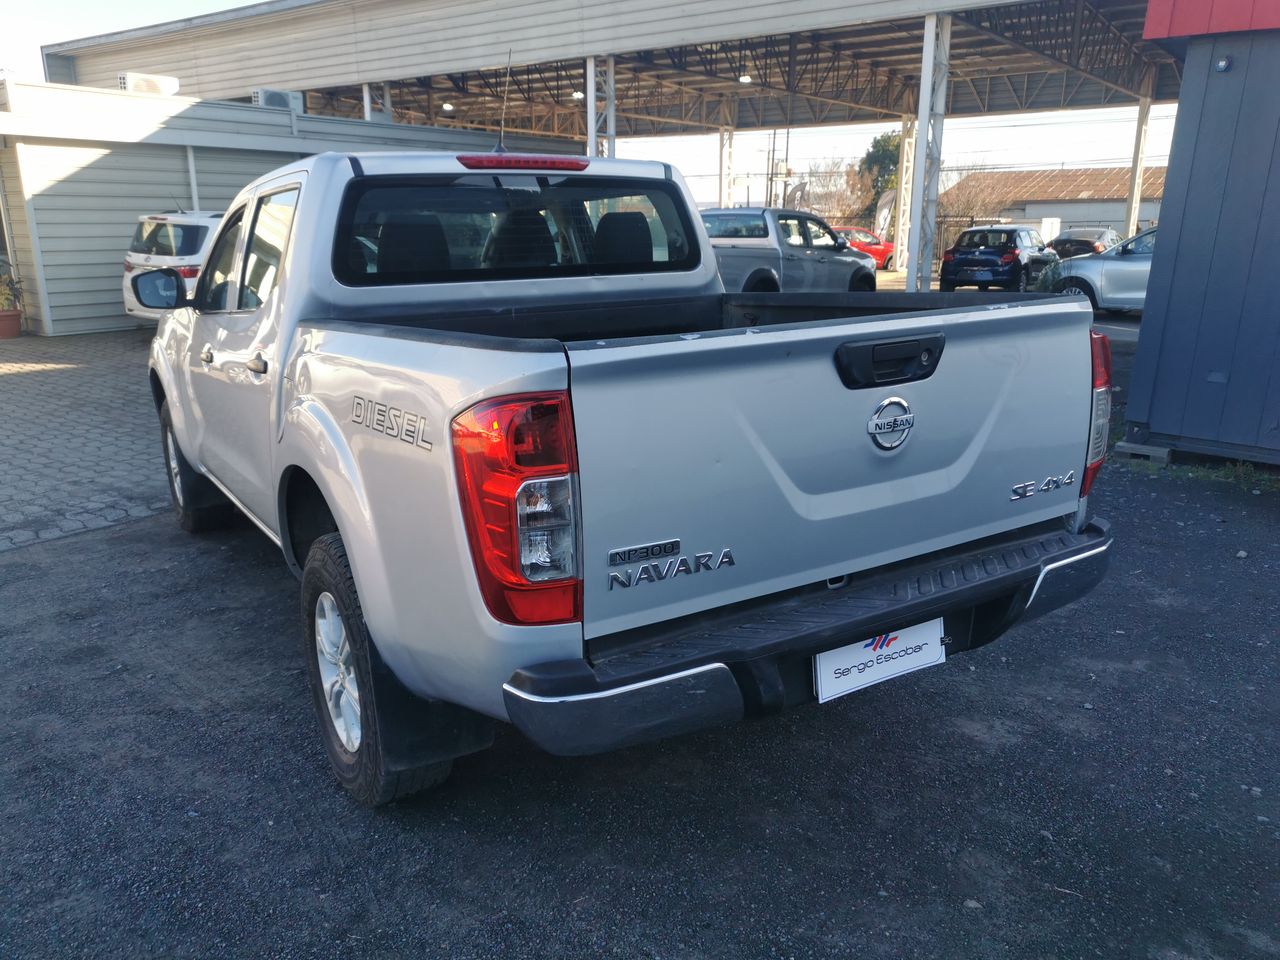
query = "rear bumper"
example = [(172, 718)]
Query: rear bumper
[(756, 658)]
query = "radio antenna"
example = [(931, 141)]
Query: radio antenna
[(502, 123), (176, 203)]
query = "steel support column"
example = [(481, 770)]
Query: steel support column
[(934, 67), (611, 106), (593, 121), (724, 185), (902, 202), (368, 101), (1136, 171)]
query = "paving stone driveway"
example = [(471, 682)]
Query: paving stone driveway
[(79, 440)]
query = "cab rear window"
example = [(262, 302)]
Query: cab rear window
[(478, 227), (722, 226), (157, 238)]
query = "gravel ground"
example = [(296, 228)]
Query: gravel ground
[(1100, 783)]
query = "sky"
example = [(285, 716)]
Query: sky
[(1063, 139)]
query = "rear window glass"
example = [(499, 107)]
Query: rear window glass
[(475, 227), (723, 226), (156, 238), (973, 239)]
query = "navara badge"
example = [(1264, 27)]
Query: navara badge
[(891, 424)]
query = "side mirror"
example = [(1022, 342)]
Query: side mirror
[(842, 244), (160, 289)]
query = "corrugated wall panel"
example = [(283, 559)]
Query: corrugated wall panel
[(221, 174), (1205, 377), (354, 41), (77, 258)]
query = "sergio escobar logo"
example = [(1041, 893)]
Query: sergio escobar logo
[(883, 657)]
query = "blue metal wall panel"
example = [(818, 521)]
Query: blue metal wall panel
[(1208, 364)]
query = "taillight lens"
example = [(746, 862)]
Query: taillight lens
[(517, 466), (948, 256), (1100, 412), (188, 273), (1098, 248), (1011, 256), (128, 267)]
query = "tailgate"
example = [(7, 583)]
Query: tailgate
[(747, 447)]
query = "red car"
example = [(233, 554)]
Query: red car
[(868, 242)]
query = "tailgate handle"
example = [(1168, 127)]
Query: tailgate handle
[(869, 364)]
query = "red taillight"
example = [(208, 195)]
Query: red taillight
[(521, 161), (1100, 409), (128, 267), (1011, 256), (188, 273), (517, 469), (948, 256), (1098, 248)]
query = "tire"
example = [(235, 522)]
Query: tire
[(984, 287), (945, 286), (339, 655), (1019, 285), (862, 283), (197, 503), (1073, 286), (761, 286), (888, 263)]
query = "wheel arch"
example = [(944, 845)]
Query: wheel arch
[(305, 515), (761, 280)]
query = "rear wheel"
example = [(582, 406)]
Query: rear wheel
[(946, 286), (888, 263), (338, 653), (1020, 284), (862, 283), (197, 503), (984, 287), (1075, 287), (761, 286)]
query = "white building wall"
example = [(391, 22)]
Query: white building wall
[(1097, 213), (362, 41)]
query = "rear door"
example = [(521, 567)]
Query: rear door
[(829, 271), (797, 268), (237, 368), (731, 465)]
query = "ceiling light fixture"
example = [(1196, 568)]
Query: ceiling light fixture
[(447, 107), (745, 78), (579, 95)]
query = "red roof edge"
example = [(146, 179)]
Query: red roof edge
[(1167, 19)]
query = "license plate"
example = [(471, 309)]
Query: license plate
[(889, 655), (980, 274)]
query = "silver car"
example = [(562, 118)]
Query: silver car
[(1115, 279)]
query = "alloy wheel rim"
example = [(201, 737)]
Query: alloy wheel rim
[(171, 458), (337, 671)]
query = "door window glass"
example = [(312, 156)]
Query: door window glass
[(216, 280), (819, 235), (863, 237), (266, 248), (1144, 243), (791, 231)]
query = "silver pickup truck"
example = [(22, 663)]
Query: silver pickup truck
[(531, 464), (766, 250)]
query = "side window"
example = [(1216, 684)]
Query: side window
[(863, 237), (791, 232), (216, 280), (1146, 243), (1037, 241), (267, 241), (819, 236)]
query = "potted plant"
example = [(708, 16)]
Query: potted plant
[(10, 306)]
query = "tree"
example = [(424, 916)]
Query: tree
[(976, 196), (880, 163), (836, 191)]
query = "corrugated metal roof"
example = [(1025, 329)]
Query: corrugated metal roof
[(1082, 183)]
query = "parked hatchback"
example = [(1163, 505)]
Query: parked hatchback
[(1007, 256), (175, 240), (880, 250), (1115, 279), (1080, 241)]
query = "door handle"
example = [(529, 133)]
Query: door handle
[(206, 355), (257, 364), (792, 256), (822, 259)]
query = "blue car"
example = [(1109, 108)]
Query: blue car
[(1008, 256)]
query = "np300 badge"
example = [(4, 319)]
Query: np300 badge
[(890, 425)]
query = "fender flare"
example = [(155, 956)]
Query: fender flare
[(762, 273)]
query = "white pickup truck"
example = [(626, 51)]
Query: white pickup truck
[(531, 464)]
